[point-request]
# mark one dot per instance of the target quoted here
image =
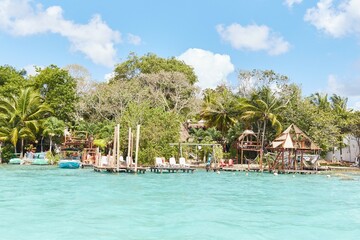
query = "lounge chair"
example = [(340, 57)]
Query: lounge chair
[(159, 162), (182, 163), (231, 163), (173, 163), (222, 163)]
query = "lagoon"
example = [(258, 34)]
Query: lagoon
[(43, 202)]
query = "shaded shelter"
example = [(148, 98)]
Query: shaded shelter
[(292, 142), (248, 143)]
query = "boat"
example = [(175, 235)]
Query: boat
[(40, 159), (70, 158), (15, 161)]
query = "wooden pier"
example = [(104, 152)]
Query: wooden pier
[(292, 171), (120, 169), (171, 169)]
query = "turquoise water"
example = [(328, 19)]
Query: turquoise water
[(39, 202)]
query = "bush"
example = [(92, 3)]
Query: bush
[(7, 153)]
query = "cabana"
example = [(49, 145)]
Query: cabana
[(292, 142), (248, 142)]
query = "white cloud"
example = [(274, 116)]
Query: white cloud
[(133, 39), (95, 39), (291, 3), (336, 21), (253, 38), (345, 88), (211, 69)]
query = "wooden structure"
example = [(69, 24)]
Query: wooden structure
[(289, 146), (83, 143), (114, 163), (248, 142), (172, 169)]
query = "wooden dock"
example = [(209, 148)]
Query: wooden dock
[(121, 169), (292, 171), (171, 169)]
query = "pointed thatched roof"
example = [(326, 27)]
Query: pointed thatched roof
[(294, 138)]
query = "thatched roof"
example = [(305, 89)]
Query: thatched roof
[(294, 138), (184, 134)]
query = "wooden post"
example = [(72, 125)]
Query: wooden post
[(302, 160), (129, 149), (213, 154), (261, 157), (241, 156), (118, 147), (112, 162), (283, 159), (137, 146)]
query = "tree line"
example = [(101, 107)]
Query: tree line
[(161, 95)]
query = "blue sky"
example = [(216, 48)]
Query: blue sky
[(315, 43)]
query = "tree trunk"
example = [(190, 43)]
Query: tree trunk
[(50, 143), (41, 144), (263, 135), (22, 148)]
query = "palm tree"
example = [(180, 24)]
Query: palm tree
[(339, 107), (320, 100), (263, 106), (52, 127), (21, 116), (218, 110)]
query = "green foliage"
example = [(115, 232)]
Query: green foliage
[(53, 127), (52, 159), (158, 129), (59, 91), (218, 109), (7, 152), (11, 80), (151, 63), (264, 107), (21, 116), (256, 80)]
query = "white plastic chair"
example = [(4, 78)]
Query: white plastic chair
[(173, 163), (183, 163)]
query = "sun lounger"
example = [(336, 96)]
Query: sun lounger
[(222, 163), (182, 163), (173, 163), (159, 162)]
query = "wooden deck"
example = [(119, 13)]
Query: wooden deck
[(121, 169), (292, 171), (238, 169), (171, 169)]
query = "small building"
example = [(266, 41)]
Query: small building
[(350, 153)]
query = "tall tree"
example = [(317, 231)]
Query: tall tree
[(219, 109), (51, 128), (21, 116), (342, 114), (151, 63), (255, 80), (265, 107), (11, 80), (58, 89), (321, 101)]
